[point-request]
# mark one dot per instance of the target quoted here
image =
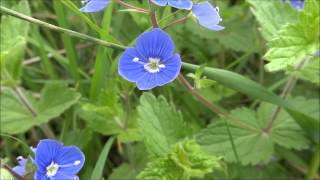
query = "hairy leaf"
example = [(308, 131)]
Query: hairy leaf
[(296, 43), (254, 135), (185, 160), (160, 124), (15, 116)]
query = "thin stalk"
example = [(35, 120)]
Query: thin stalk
[(16, 175), (153, 16), (59, 29), (127, 5), (23, 99), (177, 21), (315, 164), (214, 108), (47, 131)]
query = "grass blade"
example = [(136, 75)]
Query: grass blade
[(98, 169)]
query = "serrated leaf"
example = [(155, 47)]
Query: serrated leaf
[(296, 42), (54, 100), (160, 124), (185, 160), (12, 43), (254, 143), (272, 16)]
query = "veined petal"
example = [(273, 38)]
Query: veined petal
[(171, 70), (95, 5), (46, 151), (181, 4), (40, 176), (160, 2), (61, 176), (147, 82), (70, 160), (155, 44), (131, 65), (207, 15)]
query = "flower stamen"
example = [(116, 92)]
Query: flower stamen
[(153, 66)]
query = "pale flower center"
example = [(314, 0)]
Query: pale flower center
[(154, 65), (52, 169)]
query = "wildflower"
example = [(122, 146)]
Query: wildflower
[(297, 4), (55, 161), (207, 16), (179, 4), (21, 168), (152, 62), (94, 5)]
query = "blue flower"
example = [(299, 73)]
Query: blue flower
[(297, 4), (207, 15), (179, 4), (55, 161), (21, 168), (94, 5), (152, 62)]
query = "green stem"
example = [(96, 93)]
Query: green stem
[(315, 163), (59, 29)]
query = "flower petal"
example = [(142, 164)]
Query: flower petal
[(160, 2), (95, 6), (207, 16), (21, 168), (40, 176), (46, 151), (170, 71), (155, 44), (128, 69), (181, 4), (297, 4), (147, 82), (61, 176), (72, 158)]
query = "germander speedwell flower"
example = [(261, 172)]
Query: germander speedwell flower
[(21, 168), (94, 5), (207, 16), (152, 62), (56, 162), (179, 4)]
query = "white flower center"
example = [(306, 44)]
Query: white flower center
[(153, 66), (53, 168)]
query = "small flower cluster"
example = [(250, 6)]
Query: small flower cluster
[(53, 161), (152, 61)]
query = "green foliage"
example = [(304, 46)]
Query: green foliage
[(297, 42), (272, 16), (17, 118), (13, 38), (254, 134), (185, 160), (160, 124)]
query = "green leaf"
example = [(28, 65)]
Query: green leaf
[(310, 72), (54, 100), (160, 124), (272, 16), (123, 172), (297, 42), (254, 141), (12, 42), (185, 160), (242, 84), (98, 168)]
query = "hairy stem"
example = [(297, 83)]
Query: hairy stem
[(127, 5), (177, 21), (153, 16), (59, 29)]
